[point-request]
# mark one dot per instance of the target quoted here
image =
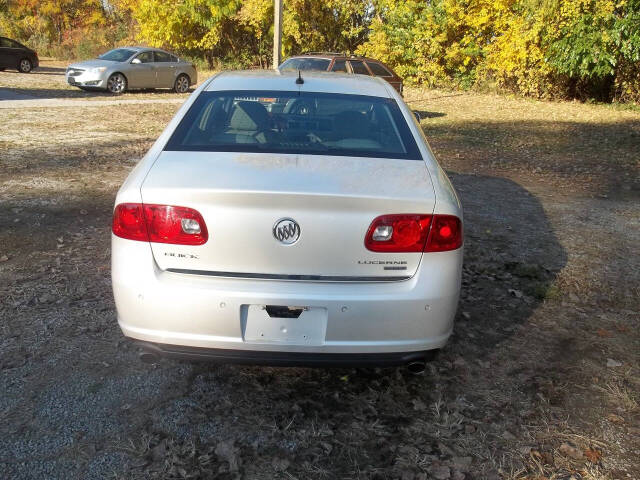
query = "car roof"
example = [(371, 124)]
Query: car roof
[(8, 38), (314, 81), (139, 49), (330, 55)]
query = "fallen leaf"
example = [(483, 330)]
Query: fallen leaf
[(441, 472), (570, 451), (526, 450), (603, 333), (515, 293), (611, 363), (592, 455), (462, 463), (418, 404), (227, 451), (613, 418), (280, 464)]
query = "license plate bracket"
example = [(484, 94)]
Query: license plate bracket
[(296, 325)]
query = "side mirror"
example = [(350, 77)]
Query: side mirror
[(417, 115), (136, 61)]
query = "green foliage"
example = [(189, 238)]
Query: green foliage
[(330, 25), (62, 28), (240, 33), (542, 48), (599, 44)]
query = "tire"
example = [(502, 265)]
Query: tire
[(181, 84), (25, 65), (117, 84)]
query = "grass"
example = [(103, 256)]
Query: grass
[(568, 138)]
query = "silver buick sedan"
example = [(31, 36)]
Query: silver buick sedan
[(289, 220), (131, 68)]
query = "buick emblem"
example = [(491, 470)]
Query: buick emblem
[(286, 231)]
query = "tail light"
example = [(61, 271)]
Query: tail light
[(414, 233), (159, 224), (446, 234)]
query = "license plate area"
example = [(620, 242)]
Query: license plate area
[(284, 311), (283, 324)]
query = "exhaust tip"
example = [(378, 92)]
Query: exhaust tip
[(416, 367), (148, 357)]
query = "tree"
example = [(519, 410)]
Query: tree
[(203, 27)]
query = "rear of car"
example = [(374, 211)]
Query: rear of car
[(336, 62), (289, 224)]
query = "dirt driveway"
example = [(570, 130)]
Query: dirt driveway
[(540, 379)]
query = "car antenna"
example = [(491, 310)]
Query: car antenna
[(299, 80)]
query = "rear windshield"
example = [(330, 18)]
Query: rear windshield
[(117, 55), (306, 64), (295, 122)]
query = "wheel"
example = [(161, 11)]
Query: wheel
[(25, 65), (182, 84), (117, 84)]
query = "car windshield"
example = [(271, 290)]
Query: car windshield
[(306, 64), (295, 122), (117, 55)]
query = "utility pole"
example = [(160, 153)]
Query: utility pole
[(277, 32)]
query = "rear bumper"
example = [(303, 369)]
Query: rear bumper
[(284, 359), (185, 310)]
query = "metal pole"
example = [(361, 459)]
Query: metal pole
[(277, 33)]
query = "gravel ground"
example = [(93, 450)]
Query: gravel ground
[(12, 101), (539, 381)]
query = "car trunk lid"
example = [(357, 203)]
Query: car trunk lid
[(333, 200)]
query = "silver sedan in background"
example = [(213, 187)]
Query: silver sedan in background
[(130, 68)]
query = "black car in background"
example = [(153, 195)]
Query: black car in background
[(17, 56)]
